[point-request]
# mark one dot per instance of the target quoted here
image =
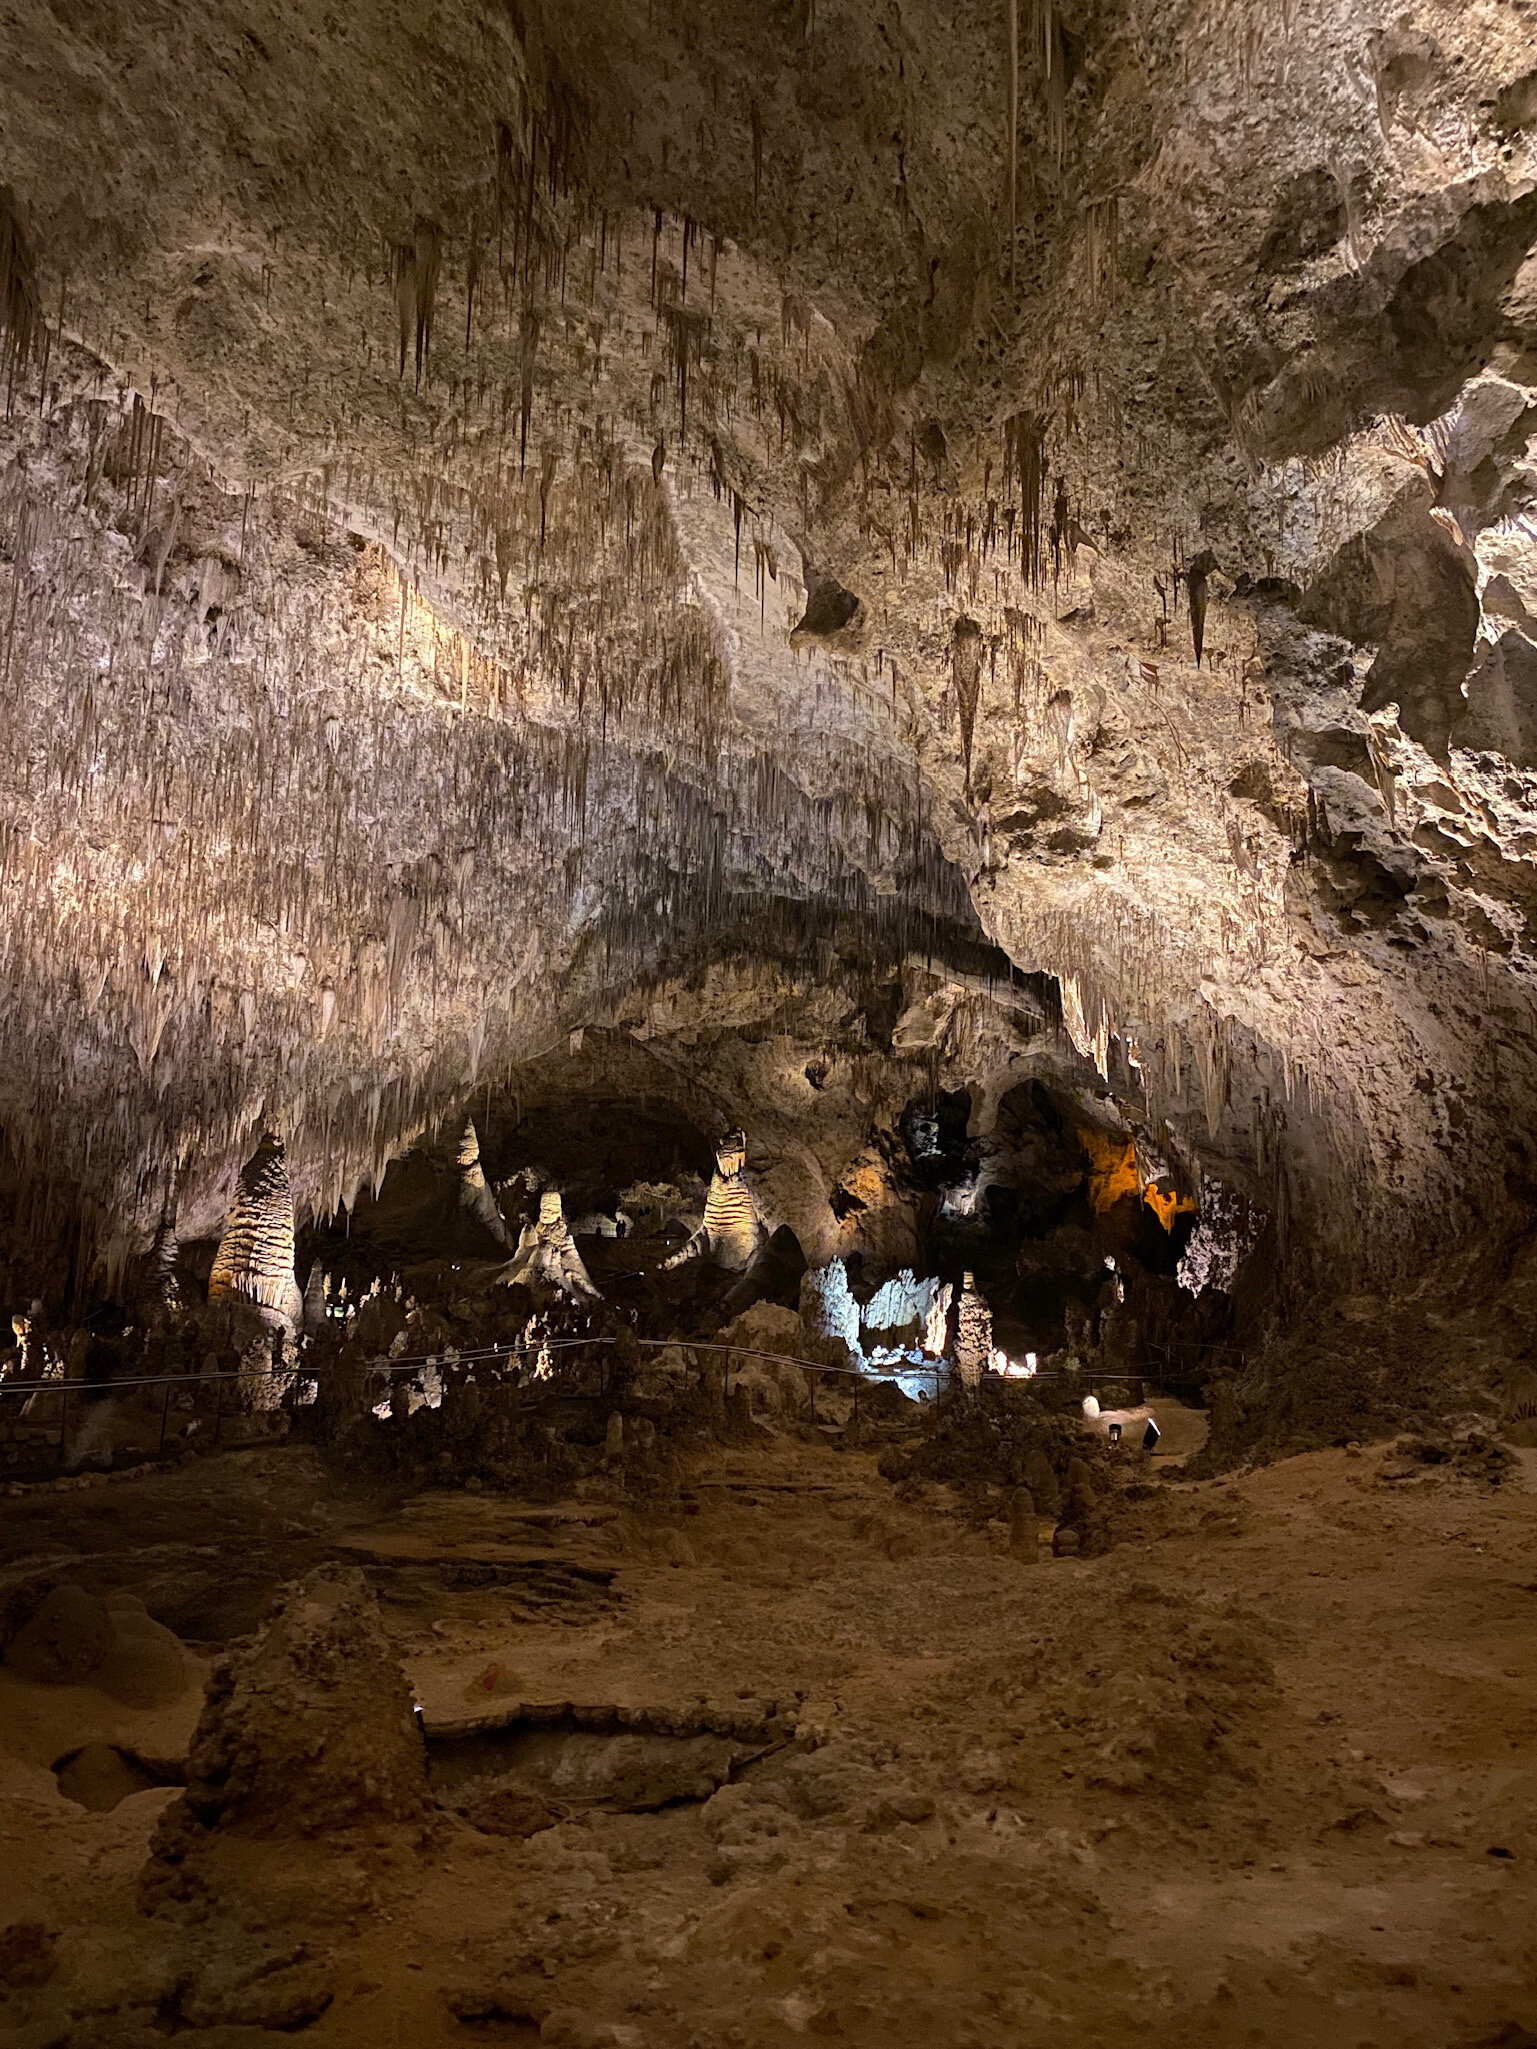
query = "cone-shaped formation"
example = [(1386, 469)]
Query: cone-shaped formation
[(255, 1261), (315, 1299), (164, 1287), (306, 1733), (475, 1190), (547, 1259)]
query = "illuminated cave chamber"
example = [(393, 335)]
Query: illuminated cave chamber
[(536, 645)]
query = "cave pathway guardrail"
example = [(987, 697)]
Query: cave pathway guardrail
[(385, 1367)]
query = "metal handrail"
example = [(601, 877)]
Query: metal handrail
[(383, 1363), (385, 1367)]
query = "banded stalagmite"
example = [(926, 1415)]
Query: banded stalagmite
[(255, 1261)]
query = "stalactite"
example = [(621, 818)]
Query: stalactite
[(1013, 8), (1197, 576), (21, 317), (966, 666), (1024, 458)]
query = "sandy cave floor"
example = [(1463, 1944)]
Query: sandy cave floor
[(1242, 1780)]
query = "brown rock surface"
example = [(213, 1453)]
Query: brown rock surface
[(308, 1734), (1256, 1758), (64, 1642), (953, 586)]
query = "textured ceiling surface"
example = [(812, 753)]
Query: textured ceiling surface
[(505, 506)]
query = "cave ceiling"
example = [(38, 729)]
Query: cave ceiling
[(507, 509)]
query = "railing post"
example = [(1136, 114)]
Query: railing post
[(165, 1417), (63, 1419), (218, 1414)]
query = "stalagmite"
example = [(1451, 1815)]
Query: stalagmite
[(546, 1258), (733, 1229), (254, 1266), (475, 1193), (973, 1336), (828, 1309), (316, 1299), (936, 1325), (162, 1261)]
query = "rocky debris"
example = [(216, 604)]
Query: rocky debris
[(518, 2002), (846, 1783), (1008, 1439), (633, 1774), (502, 1807), (307, 1734), (774, 1387), (1469, 1457), (760, 1722), (276, 1993)]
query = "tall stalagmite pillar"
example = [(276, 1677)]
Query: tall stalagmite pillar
[(255, 1262), (475, 1190), (973, 1336)]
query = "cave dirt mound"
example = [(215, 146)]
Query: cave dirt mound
[(72, 1638), (309, 1734)]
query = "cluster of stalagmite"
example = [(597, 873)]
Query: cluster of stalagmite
[(254, 1266)]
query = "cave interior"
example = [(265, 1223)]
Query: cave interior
[(768, 1041)]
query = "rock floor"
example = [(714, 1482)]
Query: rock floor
[(1265, 1773)]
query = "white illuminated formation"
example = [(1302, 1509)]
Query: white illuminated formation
[(475, 1194), (1012, 1369), (547, 1259)]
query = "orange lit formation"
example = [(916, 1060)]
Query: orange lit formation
[(1114, 1175)]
